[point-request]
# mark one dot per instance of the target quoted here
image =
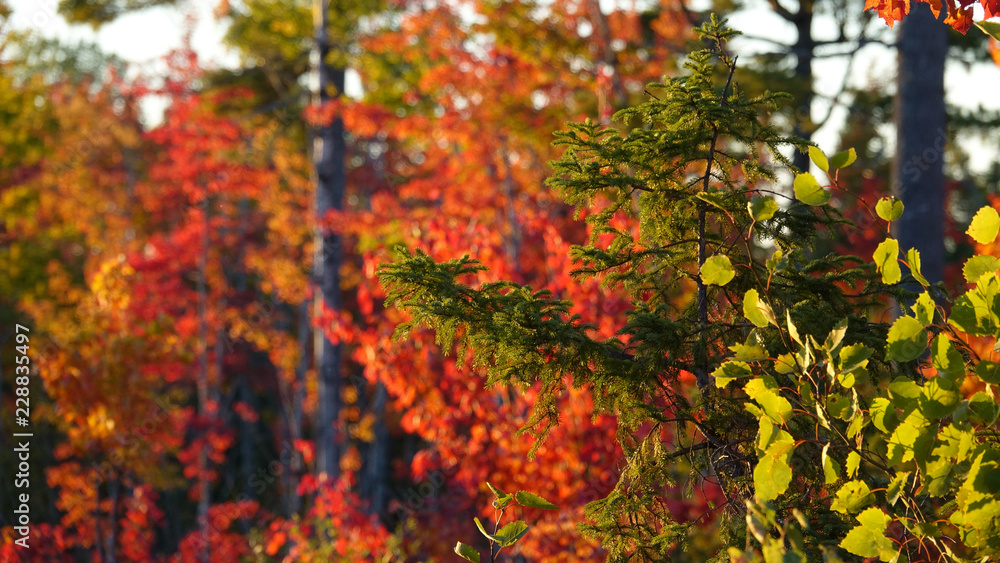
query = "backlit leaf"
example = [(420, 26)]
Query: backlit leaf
[(831, 469), (753, 309), (867, 539), (978, 266), (467, 552), (853, 497), (985, 225), (889, 209), (772, 475), (885, 258), (843, 159), (808, 190), (717, 270), (819, 159), (907, 340), (531, 500), (762, 208), (730, 371)]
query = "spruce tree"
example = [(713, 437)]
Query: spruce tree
[(817, 419)]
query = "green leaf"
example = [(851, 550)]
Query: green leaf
[(831, 469), (990, 28), (972, 314), (885, 258), (984, 408), (755, 310), (785, 363), (835, 337), (883, 415), (512, 532), (946, 359), (714, 199), (920, 529), (467, 552), (905, 392), (762, 208), (772, 475), (843, 159), (889, 209), (752, 351), (867, 539), (482, 529), (729, 371), (858, 423), (792, 330), (896, 486), (985, 225), (923, 309), (939, 398), (819, 159), (988, 371), (717, 270), (769, 435), (906, 341), (496, 492), (853, 461), (840, 406), (776, 262), (979, 266), (531, 500), (853, 497), (765, 392), (910, 437), (854, 356), (808, 190), (913, 257)]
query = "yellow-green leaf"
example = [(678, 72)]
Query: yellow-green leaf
[(985, 225), (889, 209), (467, 552), (819, 159), (755, 310), (979, 266), (717, 270), (762, 208), (808, 190), (867, 539), (772, 475), (843, 159), (885, 258), (852, 498), (831, 469), (907, 340)]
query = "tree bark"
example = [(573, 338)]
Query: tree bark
[(918, 172), (328, 155)]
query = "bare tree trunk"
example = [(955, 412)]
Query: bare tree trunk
[(805, 47), (298, 396), (203, 485), (328, 155), (918, 172), (375, 479), (112, 554)]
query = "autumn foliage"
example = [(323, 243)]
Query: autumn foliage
[(166, 271)]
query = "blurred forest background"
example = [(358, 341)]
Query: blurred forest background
[(214, 373)]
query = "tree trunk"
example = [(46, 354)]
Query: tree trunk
[(374, 482), (804, 49), (203, 387), (918, 172), (328, 155)]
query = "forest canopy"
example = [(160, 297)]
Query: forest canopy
[(561, 281)]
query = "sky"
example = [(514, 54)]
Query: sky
[(144, 37)]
